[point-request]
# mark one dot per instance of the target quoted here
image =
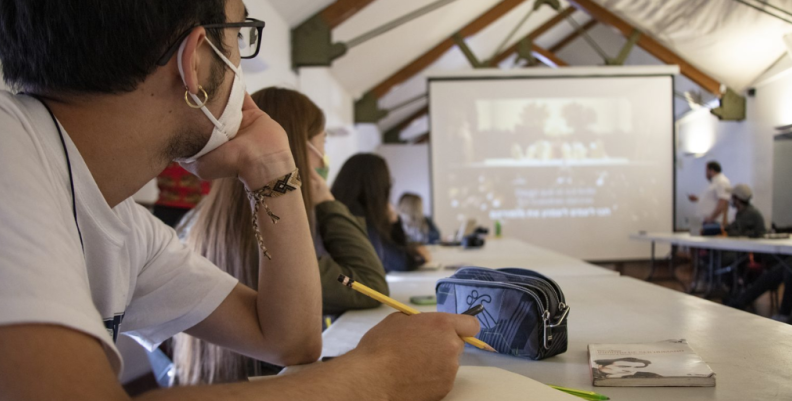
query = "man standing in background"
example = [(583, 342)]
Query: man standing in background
[(714, 202)]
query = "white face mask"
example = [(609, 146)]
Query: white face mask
[(227, 125)]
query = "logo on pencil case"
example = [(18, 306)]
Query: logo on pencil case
[(485, 318)]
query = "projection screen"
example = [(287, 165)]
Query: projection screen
[(575, 160)]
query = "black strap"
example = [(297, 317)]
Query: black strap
[(68, 165)]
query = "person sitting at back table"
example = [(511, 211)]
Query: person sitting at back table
[(220, 230), (748, 221), (714, 202), (418, 228), (364, 185), (769, 280)]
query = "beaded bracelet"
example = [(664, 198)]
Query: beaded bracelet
[(278, 187)]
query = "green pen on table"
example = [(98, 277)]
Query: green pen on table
[(586, 395)]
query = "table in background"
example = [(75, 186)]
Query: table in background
[(774, 247), (506, 252)]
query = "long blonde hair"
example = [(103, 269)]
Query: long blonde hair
[(219, 229), (411, 212)]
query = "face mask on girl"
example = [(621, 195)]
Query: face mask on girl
[(323, 171), (227, 125)]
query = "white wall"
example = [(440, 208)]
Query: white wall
[(344, 137), (745, 149), (409, 167), (700, 139), (272, 67)]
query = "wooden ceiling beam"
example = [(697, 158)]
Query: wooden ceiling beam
[(549, 24), (649, 44), (572, 36), (432, 55), (547, 57), (337, 13), (409, 120)]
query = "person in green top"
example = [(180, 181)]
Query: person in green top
[(749, 221), (219, 228)]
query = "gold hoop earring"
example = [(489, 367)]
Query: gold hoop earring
[(196, 106)]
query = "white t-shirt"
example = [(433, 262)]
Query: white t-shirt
[(134, 276), (718, 189)]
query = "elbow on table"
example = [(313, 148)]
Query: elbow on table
[(301, 353)]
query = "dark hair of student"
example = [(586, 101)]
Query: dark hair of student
[(94, 46), (714, 166), (606, 362), (364, 185)]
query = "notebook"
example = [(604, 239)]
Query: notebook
[(477, 383), (670, 363)]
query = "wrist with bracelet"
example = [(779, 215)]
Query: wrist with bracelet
[(274, 189)]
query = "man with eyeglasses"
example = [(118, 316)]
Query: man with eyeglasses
[(111, 92)]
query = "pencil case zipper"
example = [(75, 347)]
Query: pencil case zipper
[(543, 286)]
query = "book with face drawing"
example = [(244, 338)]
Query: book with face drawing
[(670, 363)]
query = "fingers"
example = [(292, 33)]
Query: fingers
[(462, 325), (249, 103), (465, 326), (215, 164)]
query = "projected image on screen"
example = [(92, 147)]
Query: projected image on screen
[(572, 164)]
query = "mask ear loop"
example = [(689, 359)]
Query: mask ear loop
[(318, 153)]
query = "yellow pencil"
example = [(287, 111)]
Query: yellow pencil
[(402, 307)]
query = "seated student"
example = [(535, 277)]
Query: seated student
[(418, 228), (219, 229), (749, 221), (80, 263), (364, 185), (769, 280)]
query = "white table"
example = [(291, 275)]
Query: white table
[(751, 355), (506, 252), (737, 244), (773, 247)]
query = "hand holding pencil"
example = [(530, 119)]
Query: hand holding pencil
[(407, 310)]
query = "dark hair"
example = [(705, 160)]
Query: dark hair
[(364, 186), (606, 362), (714, 166), (94, 46)]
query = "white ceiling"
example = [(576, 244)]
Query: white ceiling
[(297, 11), (725, 39)]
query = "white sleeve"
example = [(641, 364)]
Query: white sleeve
[(43, 277), (176, 289), (723, 190)]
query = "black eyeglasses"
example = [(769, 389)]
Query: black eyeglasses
[(249, 38)]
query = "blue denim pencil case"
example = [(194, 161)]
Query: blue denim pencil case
[(525, 313)]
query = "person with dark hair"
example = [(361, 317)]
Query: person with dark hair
[(769, 280), (364, 185), (112, 92), (713, 204), (621, 367)]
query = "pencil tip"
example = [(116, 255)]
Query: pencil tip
[(490, 349), (341, 278)]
